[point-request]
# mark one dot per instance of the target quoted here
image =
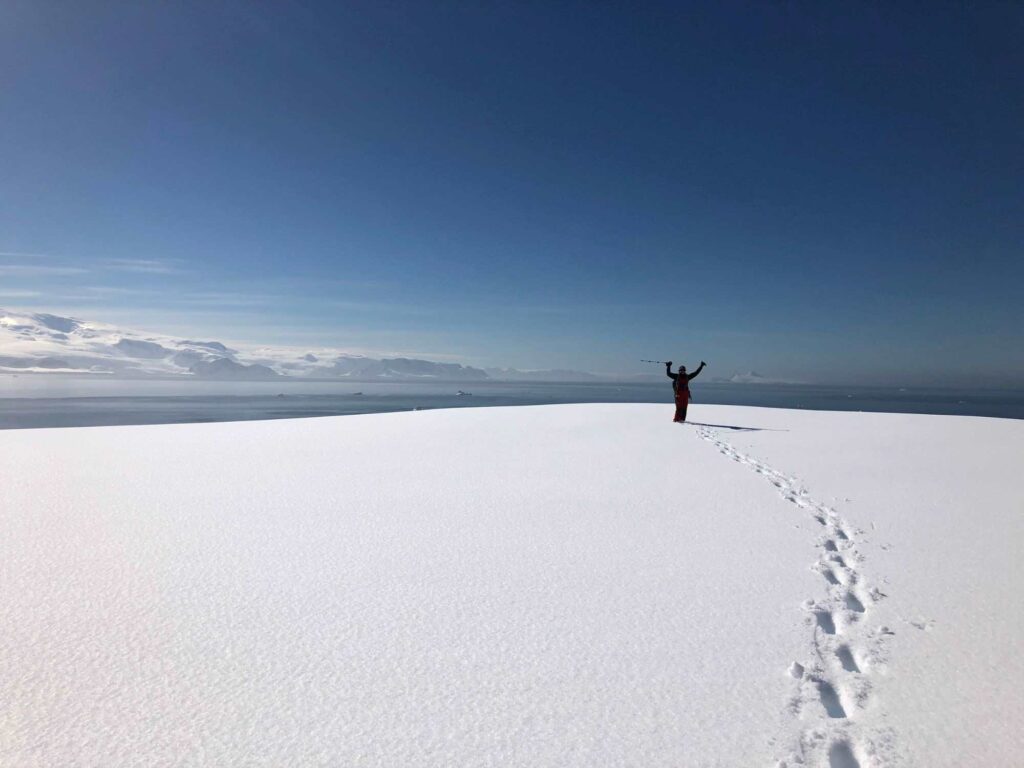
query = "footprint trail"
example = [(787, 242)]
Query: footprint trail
[(835, 689)]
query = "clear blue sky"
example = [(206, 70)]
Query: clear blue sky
[(824, 192)]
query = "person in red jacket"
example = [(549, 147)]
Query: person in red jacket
[(681, 386)]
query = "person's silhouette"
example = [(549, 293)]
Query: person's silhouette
[(681, 386)]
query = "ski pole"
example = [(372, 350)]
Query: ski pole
[(659, 362)]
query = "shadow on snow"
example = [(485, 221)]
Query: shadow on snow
[(735, 428)]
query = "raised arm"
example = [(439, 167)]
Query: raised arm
[(668, 371), (696, 373)]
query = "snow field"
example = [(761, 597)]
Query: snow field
[(556, 585)]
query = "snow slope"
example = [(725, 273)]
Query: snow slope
[(536, 586)]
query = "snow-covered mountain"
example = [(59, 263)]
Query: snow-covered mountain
[(753, 377), (43, 343), (551, 374)]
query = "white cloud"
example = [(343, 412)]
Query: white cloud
[(148, 266), (61, 266), (38, 270), (20, 255)]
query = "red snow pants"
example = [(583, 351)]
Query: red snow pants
[(682, 399)]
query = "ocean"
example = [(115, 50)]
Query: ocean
[(47, 400)]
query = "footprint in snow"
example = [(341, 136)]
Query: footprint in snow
[(825, 621), (841, 756), (830, 700), (853, 603), (845, 656)]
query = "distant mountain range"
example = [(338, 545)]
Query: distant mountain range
[(750, 377), (44, 343)]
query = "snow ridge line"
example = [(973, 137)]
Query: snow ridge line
[(844, 651)]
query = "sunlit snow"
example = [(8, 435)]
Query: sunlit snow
[(574, 585)]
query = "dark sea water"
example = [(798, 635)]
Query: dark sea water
[(67, 401)]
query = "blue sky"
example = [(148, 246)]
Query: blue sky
[(823, 192)]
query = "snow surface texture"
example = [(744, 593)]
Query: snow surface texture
[(537, 586)]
